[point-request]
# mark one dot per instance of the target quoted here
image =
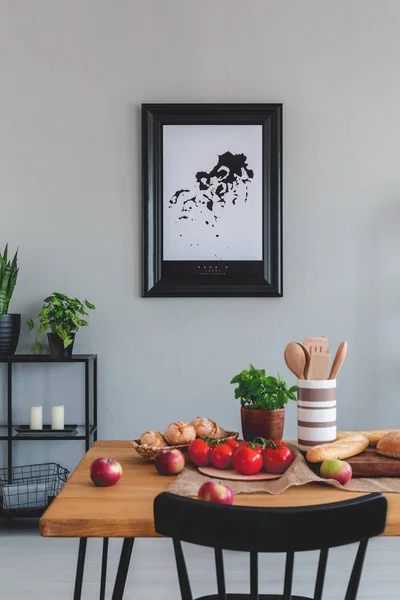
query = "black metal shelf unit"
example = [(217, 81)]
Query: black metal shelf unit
[(86, 432)]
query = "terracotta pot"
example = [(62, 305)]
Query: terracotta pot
[(267, 424)]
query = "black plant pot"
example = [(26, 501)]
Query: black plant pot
[(10, 326), (56, 344)]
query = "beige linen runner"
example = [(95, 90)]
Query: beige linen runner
[(189, 481)]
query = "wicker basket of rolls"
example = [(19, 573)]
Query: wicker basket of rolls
[(179, 435)]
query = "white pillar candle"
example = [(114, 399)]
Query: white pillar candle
[(36, 417), (57, 417)]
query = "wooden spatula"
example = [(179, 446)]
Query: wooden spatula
[(320, 357)]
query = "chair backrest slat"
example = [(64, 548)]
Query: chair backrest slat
[(253, 529), (253, 575), (355, 577), (184, 582), (219, 568), (287, 585), (320, 580)]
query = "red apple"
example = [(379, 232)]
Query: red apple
[(169, 462), (339, 470), (215, 492), (105, 472)]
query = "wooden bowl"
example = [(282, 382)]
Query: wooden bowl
[(149, 452)]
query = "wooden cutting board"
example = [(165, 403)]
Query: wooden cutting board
[(371, 464)]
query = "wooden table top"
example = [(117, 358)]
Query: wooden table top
[(126, 509)]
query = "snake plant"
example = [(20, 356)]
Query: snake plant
[(8, 279)]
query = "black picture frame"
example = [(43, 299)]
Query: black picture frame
[(193, 278)]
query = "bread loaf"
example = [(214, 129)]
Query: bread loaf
[(372, 436), (389, 445), (345, 448)]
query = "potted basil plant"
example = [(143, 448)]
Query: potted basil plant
[(63, 316), (263, 399), (10, 324)]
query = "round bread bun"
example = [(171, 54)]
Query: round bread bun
[(207, 428), (179, 433), (155, 439), (204, 427), (389, 445)]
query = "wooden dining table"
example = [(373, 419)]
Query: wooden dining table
[(125, 510)]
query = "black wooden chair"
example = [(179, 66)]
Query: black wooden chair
[(256, 530)]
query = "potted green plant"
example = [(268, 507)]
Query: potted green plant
[(10, 324), (263, 399), (63, 316)]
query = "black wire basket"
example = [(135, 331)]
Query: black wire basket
[(31, 487)]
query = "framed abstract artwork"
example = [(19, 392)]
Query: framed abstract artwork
[(212, 199)]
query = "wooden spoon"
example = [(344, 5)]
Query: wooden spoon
[(307, 357), (338, 360), (295, 359)]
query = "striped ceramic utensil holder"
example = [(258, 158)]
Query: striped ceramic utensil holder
[(316, 412)]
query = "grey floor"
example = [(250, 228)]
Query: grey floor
[(35, 568)]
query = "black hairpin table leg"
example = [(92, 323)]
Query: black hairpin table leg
[(79, 568), (103, 579), (123, 568)]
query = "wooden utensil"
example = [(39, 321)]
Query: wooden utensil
[(307, 360), (319, 367), (295, 359), (317, 344), (338, 360), (320, 357)]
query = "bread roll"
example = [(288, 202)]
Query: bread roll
[(344, 448), (372, 436), (154, 439), (207, 428), (389, 445), (179, 433), (204, 427)]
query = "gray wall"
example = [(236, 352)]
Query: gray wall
[(73, 75)]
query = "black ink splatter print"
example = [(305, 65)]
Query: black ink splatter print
[(227, 182), (207, 216)]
